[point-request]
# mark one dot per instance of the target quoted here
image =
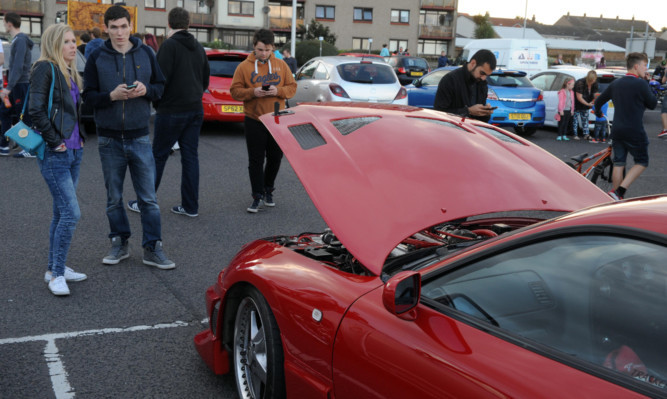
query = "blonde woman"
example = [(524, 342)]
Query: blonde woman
[(584, 91), (59, 127)]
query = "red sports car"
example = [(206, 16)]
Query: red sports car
[(218, 102), (442, 273)]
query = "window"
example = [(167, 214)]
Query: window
[(325, 12), (363, 14), (321, 72), (31, 26), (201, 34), (284, 11), (157, 31), (544, 81), (435, 18), (154, 3), (307, 71), (431, 47), (241, 39), (195, 6), (400, 16), (241, 7), (395, 44), (360, 43), (589, 298)]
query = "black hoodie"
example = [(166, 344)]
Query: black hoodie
[(185, 67)]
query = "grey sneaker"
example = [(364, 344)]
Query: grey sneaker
[(181, 211), (255, 206), (119, 251), (156, 257)]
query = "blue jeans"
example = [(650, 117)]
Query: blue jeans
[(117, 155), (61, 173), (183, 128), (600, 132)]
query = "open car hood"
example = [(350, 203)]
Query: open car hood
[(380, 173)]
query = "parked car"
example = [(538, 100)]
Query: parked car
[(550, 82), (421, 92), (408, 68), (217, 100), (343, 78), (437, 280), (519, 103)]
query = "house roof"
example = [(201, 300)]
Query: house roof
[(569, 44), (605, 24), (505, 32)]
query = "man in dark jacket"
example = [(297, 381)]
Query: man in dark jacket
[(121, 80), (631, 96), (18, 80), (180, 112), (464, 90)]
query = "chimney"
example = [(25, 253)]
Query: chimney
[(533, 17), (584, 15)]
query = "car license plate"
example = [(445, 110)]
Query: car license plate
[(416, 73), (521, 117), (234, 109)]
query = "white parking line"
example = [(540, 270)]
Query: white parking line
[(57, 372)]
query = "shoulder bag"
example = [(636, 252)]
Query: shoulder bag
[(23, 134)]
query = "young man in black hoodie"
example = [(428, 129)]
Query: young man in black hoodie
[(180, 112)]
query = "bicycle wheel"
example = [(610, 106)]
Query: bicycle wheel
[(601, 175)]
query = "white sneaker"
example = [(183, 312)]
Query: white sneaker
[(70, 275), (59, 286)]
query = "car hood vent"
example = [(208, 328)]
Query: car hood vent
[(307, 136), (347, 126)]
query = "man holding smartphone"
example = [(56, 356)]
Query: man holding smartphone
[(261, 81), (464, 90)]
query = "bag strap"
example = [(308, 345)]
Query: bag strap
[(25, 101)]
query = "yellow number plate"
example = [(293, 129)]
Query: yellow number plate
[(234, 109), (521, 117), (417, 73)]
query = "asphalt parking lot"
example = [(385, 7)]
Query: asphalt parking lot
[(127, 331)]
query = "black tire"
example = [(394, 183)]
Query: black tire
[(601, 175), (524, 131), (257, 351)]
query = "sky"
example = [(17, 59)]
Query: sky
[(549, 11)]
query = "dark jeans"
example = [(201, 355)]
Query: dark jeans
[(117, 155), (61, 173), (183, 128), (9, 115), (564, 123), (260, 145)]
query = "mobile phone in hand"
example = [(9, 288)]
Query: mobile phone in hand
[(493, 108), (132, 86), (265, 87)]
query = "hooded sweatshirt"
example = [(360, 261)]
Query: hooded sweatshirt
[(253, 73), (185, 67), (106, 68), (20, 60)]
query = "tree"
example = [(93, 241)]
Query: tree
[(315, 30), (484, 29)]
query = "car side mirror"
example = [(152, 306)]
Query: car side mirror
[(401, 294), (417, 83)]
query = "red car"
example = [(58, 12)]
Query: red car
[(218, 102), (442, 273)]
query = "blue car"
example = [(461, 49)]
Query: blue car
[(520, 104)]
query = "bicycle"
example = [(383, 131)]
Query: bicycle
[(599, 173)]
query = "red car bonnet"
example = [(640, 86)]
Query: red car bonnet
[(380, 173)]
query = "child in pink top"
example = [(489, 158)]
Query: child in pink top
[(565, 106)]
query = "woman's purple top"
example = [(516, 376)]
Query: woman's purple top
[(74, 141)]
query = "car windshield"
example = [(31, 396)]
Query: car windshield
[(224, 67), (434, 78), (507, 80), (366, 73), (604, 81)]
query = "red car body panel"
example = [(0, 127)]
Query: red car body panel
[(353, 185), (378, 355), (218, 96)]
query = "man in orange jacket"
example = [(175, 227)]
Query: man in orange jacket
[(260, 81)]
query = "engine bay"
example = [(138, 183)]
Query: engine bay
[(414, 251)]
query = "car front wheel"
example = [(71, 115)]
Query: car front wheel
[(258, 351)]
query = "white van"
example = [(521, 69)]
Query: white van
[(528, 55)]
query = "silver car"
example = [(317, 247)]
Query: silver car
[(347, 79)]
